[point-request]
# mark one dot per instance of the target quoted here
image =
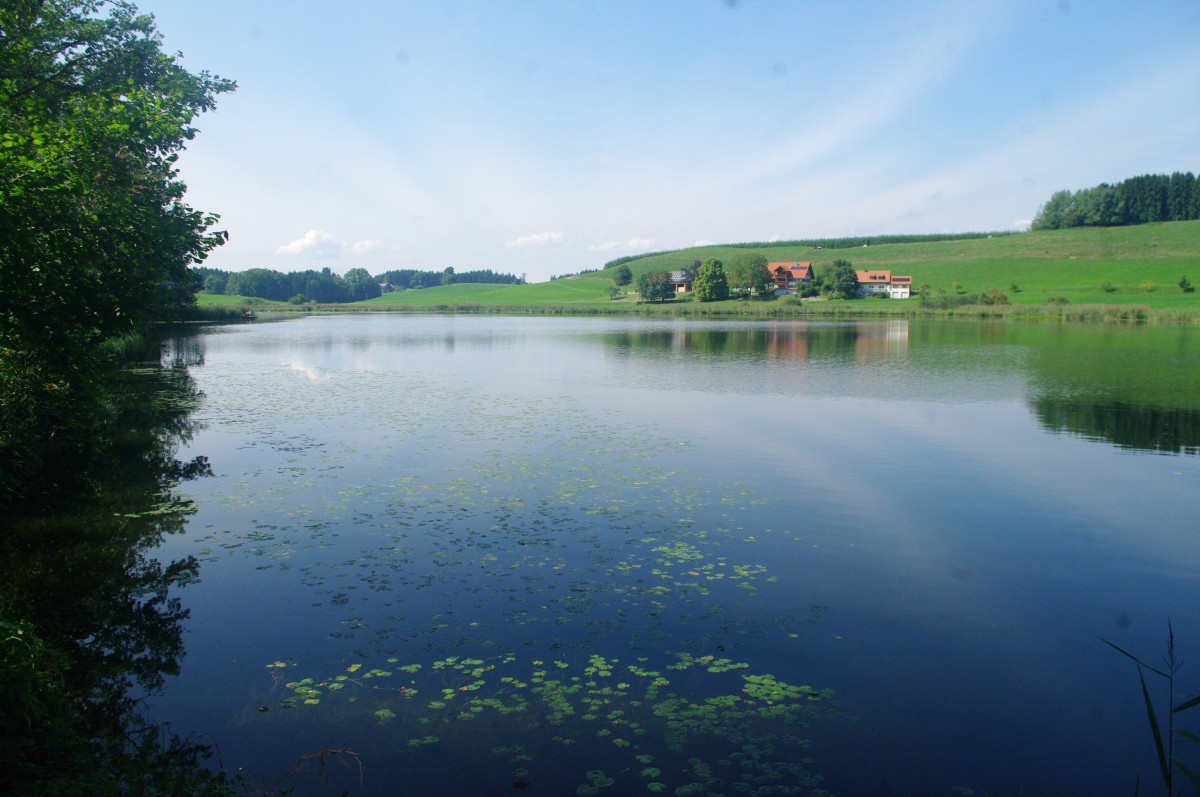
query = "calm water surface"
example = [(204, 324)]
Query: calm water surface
[(625, 556)]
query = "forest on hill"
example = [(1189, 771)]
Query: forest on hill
[(1138, 200)]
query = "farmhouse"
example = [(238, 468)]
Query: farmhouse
[(681, 281), (787, 275), (874, 281)]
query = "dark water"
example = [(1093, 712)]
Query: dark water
[(559, 556)]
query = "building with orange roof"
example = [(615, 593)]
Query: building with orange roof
[(788, 275), (873, 281)]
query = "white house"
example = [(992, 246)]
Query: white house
[(875, 281)]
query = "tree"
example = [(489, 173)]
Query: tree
[(612, 291), (623, 275), (711, 284), (94, 234), (656, 287), (448, 275), (748, 274), (842, 280), (214, 283), (95, 237), (361, 285)]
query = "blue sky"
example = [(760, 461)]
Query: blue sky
[(544, 137)]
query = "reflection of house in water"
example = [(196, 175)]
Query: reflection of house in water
[(787, 343), (882, 342)]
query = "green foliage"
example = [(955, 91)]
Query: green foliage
[(623, 276), (656, 287), (94, 234), (1185, 285), (95, 238), (842, 281), (748, 274), (711, 284), (362, 285), (1138, 200)]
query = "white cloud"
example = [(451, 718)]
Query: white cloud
[(362, 247), (703, 242), (537, 239), (314, 243)]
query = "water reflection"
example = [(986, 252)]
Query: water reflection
[(1137, 388), (90, 617), (864, 342)]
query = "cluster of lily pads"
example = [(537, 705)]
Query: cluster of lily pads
[(459, 540), (644, 725)]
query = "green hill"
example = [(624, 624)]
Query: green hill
[(1139, 265)]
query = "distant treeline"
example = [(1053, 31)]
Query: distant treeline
[(1138, 200), (326, 287), (832, 243), (411, 278)]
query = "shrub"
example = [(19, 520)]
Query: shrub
[(1109, 287)]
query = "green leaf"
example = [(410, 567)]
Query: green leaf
[(1188, 735), (1140, 663), (1185, 705), (1158, 740), (1188, 773)]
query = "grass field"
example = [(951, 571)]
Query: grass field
[(1117, 266)]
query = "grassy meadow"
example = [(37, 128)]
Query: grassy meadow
[(1135, 267)]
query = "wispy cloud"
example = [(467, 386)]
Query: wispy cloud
[(362, 247), (537, 239)]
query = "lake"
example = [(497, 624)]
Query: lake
[(487, 555)]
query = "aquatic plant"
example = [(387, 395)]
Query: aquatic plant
[(1165, 732), (723, 726)]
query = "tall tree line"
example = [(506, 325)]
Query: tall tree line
[(414, 278), (1137, 200)]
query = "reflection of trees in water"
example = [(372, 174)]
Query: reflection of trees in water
[(1137, 387), (1175, 431), (804, 341), (87, 613)]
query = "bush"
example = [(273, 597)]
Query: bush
[(1109, 287)]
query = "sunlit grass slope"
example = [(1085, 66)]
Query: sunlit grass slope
[(1142, 264), (221, 300), (587, 289)]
